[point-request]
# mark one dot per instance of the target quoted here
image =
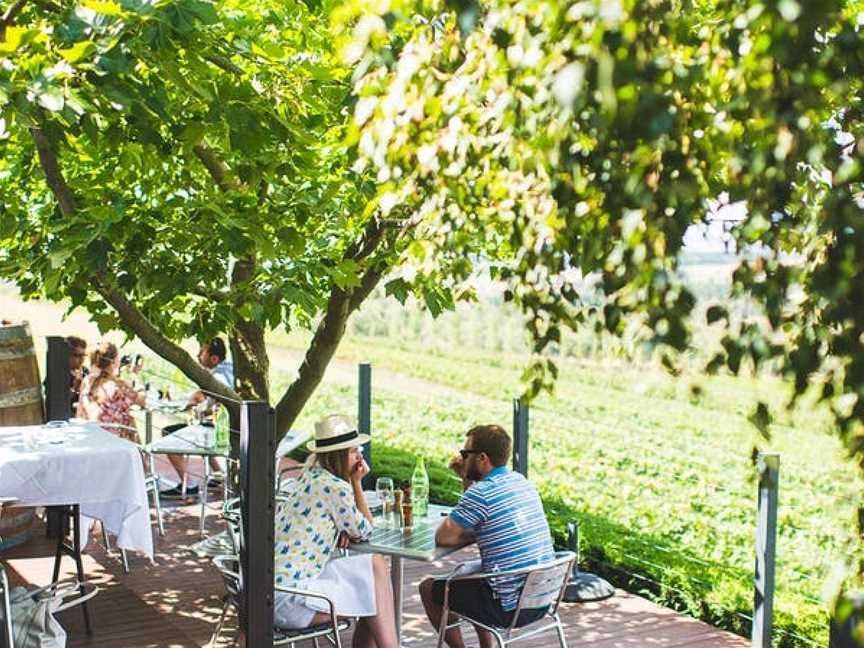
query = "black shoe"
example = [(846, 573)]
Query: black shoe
[(214, 482), (177, 492)]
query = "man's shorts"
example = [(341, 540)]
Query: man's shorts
[(475, 599)]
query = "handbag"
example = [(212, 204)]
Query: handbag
[(33, 621)]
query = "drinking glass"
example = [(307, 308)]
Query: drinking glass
[(384, 488)]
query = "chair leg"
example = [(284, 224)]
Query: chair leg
[(105, 540), (125, 560), (219, 624), (7, 610), (560, 628), (158, 502)]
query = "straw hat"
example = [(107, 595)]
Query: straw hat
[(335, 432)]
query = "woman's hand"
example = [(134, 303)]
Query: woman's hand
[(359, 470), (343, 540)]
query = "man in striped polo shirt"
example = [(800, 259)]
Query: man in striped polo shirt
[(501, 511)]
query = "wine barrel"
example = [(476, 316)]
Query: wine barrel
[(20, 388)]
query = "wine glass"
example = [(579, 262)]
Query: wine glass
[(384, 488)]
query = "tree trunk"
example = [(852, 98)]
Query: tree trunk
[(251, 364), (248, 352)]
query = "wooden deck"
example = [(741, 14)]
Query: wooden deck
[(175, 603)]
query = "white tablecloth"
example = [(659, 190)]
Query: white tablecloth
[(79, 464)]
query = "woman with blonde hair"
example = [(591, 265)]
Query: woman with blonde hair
[(105, 397), (325, 510)]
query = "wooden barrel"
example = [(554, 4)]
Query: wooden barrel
[(20, 388)]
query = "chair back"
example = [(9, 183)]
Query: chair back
[(545, 584)]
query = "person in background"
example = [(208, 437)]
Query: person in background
[(77, 355), (325, 510), (501, 511), (213, 356), (105, 397)]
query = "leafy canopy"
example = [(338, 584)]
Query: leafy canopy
[(589, 135)]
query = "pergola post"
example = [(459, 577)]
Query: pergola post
[(58, 380), (257, 505), (520, 436), (766, 544), (364, 414)]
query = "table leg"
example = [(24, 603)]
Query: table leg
[(202, 494), (396, 577)]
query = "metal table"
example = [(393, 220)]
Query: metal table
[(417, 544), (190, 441)]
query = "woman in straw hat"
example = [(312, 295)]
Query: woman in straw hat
[(325, 509)]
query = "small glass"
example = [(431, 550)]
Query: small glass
[(384, 488), (407, 516)]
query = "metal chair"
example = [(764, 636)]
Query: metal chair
[(544, 587), (151, 485), (8, 641), (228, 567)]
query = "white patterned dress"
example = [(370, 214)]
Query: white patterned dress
[(307, 529)]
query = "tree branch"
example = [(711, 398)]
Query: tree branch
[(9, 16), (155, 340), (53, 174), (331, 329), (318, 355), (220, 174)]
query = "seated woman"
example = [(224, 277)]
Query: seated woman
[(105, 397), (324, 510)]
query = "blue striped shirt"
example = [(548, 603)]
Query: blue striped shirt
[(506, 513)]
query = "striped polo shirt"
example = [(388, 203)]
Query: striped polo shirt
[(506, 513)]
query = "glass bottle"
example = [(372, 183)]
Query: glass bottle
[(420, 488)]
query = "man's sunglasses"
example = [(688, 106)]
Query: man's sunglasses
[(464, 452)]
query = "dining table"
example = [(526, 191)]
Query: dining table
[(417, 543), (78, 463)]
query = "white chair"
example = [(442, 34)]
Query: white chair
[(228, 567), (288, 444), (151, 484), (544, 587)]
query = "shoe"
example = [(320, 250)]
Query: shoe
[(177, 492), (214, 482)]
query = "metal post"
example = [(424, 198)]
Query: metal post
[(58, 380), (520, 437), (766, 542), (257, 505), (58, 407), (364, 414)]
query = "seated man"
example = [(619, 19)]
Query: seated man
[(502, 512), (212, 355)]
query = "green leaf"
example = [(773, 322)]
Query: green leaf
[(52, 99), (104, 7), (78, 51)]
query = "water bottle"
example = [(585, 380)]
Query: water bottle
[(420, 489), (223, 427)]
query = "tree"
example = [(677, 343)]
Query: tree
[(592, 134), (177, 169)]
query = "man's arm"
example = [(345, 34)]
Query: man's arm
[(451, 533)]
